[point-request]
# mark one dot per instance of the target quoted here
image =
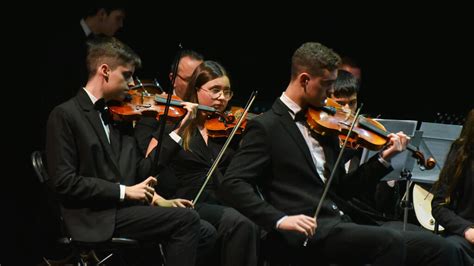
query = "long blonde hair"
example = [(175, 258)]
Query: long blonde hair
[(205, 72)]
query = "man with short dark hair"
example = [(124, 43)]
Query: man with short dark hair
[(103, 183), (291, 165)]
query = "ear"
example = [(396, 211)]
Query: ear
[(104, 71), (304, 79), (170, 76)]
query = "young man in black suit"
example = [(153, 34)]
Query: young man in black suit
[(290, 164), (102, 181)]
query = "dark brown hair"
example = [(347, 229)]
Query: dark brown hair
[(313, 58), (460, 158), (111, 51)]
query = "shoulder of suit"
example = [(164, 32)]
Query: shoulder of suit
[(266, 119), (64, 108)]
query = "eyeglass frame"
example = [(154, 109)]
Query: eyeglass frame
[(221, 92)]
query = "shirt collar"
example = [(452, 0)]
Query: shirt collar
[(294, 107), (92, 97), (85, 28)]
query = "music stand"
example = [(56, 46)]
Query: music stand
[(436, 142)]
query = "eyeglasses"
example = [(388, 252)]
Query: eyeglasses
[(216, 92), (183, 78)]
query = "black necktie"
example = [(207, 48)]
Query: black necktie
[(103, 109)]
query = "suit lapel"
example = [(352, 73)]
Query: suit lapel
[(290, 126), (93, 118), (115, 142), (199, 148), (330, 153)]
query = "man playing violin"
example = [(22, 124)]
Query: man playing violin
[(237, 236), (103, 183), (290, 164)]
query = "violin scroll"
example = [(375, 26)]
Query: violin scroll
[(221, 124), (428, 164)]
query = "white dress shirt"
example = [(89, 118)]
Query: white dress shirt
[(315, 149), (85, 28)]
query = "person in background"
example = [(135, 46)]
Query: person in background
[(453, 201)]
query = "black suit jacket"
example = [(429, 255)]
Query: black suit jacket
[(86, 170), (274, 156), (67, 52), (190, 167)]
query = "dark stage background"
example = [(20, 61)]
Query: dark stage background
[(411, 59)]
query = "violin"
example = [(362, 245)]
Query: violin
[(138, 103), (220, 125), (334, 119)]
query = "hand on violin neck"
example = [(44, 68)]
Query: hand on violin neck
[(396, 143), (191, 113)]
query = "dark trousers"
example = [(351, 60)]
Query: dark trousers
[(354, 244), (177, 229), (206, 244), (465, 248), (237, 236)]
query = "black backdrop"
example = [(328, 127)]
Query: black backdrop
[(409, 56), (413, 61)]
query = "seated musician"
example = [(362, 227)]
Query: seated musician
[(103, 183), (291, 164), (237, 236), (453, 201)]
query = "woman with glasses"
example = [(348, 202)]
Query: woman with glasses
[(237, 235)]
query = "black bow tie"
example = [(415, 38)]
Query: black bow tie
[(103, 109), (300, 116)]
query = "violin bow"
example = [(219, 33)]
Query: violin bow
[(224, 147), (334, 168), (167, 107)]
